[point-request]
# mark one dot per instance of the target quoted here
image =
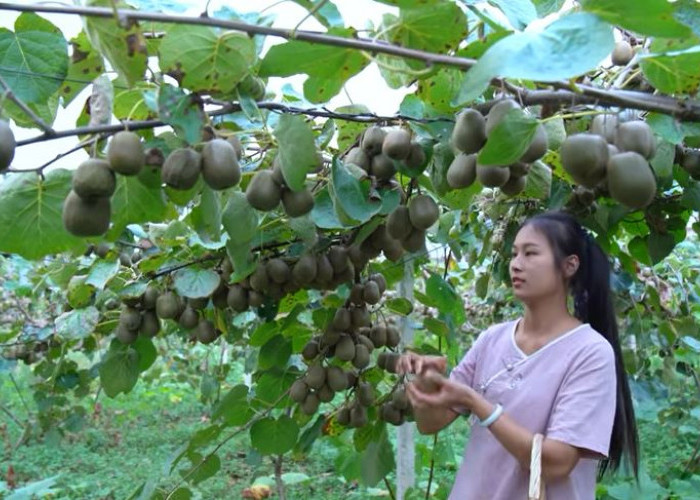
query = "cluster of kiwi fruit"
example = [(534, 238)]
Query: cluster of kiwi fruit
[(217, 163), (7, 145), (612, 157), (397, 409), (268, 188), (380, 148), (469, 135), (408, 223), (127, 257)]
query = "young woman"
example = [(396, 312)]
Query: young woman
[(551, 372)]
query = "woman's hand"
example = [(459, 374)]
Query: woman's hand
[(415, 363), (433, 390)]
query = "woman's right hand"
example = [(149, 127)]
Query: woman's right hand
[(411, 362)]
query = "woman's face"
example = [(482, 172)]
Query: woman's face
[(533, 271)]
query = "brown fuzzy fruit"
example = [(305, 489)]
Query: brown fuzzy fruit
[(631, 180), (189, 318), (469, 132), (462, 171), (358, 157), (423, 211), (94, 179), (416, 156), (538, 146), (584, 157), (398, 224), (7, 145), (492, 175), (220, 169), (372, 140), (622, 54), (636, 136), (514, 186), (605, 125), (297, 203), (415, 242), (305, 269), (206, 332), (125, 153), (263, 193), (298, 391), (397, 144), (83, 217), (181, 169), (382, 167), (498, 112), (168, 305)]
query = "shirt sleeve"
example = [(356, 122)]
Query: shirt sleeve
[(584, 408)]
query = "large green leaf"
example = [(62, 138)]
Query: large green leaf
[(46, 110), (204, 61), (182, 111), (203, 467), (509, 140), (133, 202), (671, 129), (206, 216), (77, 324), (274, 437), (196, 283), (670, 68), (275, 352), (33, 59), (323, 214), (240, 220), (30, 214), (348, 131), (377, 461), (86, 64), (297, 151), (328, 67), (351, 194), (324, 11), (546, 7), (233, 407), (520, 13), (119, 369), (570, 46), (435, 28), (688, 13), (538, 183), (646, 17), (445, 298), (102, 271), (125, 49)]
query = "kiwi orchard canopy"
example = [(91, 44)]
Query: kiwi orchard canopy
[(221, 212)]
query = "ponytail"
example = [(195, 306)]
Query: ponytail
[(593, 304)]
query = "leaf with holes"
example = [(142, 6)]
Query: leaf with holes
[(86, 64), (33, 59)]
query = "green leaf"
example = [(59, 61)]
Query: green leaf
[(323, 214), (206, 216), (638, 249), (79, 293), (124, 49), (662, 162), (351, 194), (686, 12), (275, 352), (324, 11), (272, 385), (660, 246), (240, 220), (435, 28), (670, 68), (482, 285), (446, 299), (297, 151), (646, 17), (203, 61), (46, 110), (101, 272), (328, 67), (546, 7), (377, 461), (304, 227), (119, 370), (30, 214), (203, 467), (233, 407), (538, 183), (570, 46), (509, 140), (520, 13), (242, 260), (671, 129), (195, 283), (146, 351), (78, 323), (691, 196), (182, 112), (274, 437), (133, 290), (436, 326), (86, 64), (133, 202), (33, 59), (400, 305)]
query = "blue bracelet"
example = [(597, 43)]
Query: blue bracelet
[(497, 412)]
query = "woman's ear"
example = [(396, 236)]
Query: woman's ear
[(571, 264)]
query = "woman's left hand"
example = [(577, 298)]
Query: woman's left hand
[(439, 391)]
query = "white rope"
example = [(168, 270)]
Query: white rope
[(536, 490)]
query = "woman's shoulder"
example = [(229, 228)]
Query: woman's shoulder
[(590, 343)]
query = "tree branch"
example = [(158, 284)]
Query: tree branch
[(579, 94), (27, 111)]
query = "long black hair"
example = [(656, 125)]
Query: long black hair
[(590, 287)]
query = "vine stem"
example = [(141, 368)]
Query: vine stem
[(25, 109), (567, 91), (281, 492)]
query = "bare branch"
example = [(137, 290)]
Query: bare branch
[(25, 109)]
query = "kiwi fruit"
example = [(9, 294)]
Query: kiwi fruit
[(423, 212), (393, 337), (277, 174), (631, 180), (342, 320), (356, 293), (94, 179), (469, 132), (388, 360), (380, 280), (125, 259), (206, 332), (298, 391), (336, 378), (398, 224), (605, 125), (198, 303), (315, 376), (189, 318), (636, 136), (426, 383), (584, 157), (130, 318), (263, 193), (253, 86), (365, 341), (389, 413), (149, 298), (150, 324), (358, 157), (400, 400), (358, 416), (324, 270), (416, 156), (492, 175), (382, 167), (310, 350), (514, 186), (8, 144), (331, 337), (219, 297), (259, 280), (622, 54), (125, 153), (361, 359), (359, 317), (378, 336), (297, 203), (497, 113), (305, 269), (345, 349), (277, 270), (343, 416), (86, 217), (102, 249), (518, 169), (220, 169), (237, 298), (235, 142), (370, 293), (415, 242), (310, 404), (462, 171), (126, 336), (325, 394), (690, 161), (338, 258), (181, 169), (373, 140), (168, 305), (538, 146), (397, 144), (365, 394)]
